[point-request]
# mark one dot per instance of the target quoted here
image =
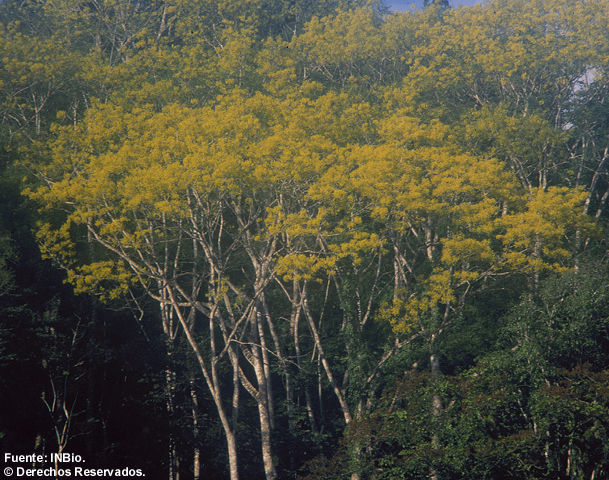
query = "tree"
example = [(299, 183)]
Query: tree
[(185, 206), (312, 200)]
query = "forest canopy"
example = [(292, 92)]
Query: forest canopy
[(307, 240)]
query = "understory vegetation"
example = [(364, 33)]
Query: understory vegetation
[(306, 239)]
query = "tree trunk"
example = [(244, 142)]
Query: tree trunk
[(212, 383), (196, 454), (263, 413), (337, 391), (266, 365), (434, 361), (170, 386), (297, 350)]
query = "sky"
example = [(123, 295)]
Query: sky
[(401, 5)]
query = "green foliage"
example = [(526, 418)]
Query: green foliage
[(534, 408), (338, 189)]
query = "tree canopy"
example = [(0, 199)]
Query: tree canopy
[(344, 242)]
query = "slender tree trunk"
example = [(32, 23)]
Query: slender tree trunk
[(337, 390), (266, 365), (231, 445), (355, 452), (436, 406), (297, 350), (170, 389), (263, 413), (196, 454), (212, 383), (235, 399)]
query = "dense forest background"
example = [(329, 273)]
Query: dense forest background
[(306, 240)]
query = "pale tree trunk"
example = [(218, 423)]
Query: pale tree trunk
[(436, 406), (434, 362), (170, 333), (338, 391), (170, 387), (235, 397), (263, 413), (162, 263), (196, 454), (293, 297), (57, 401), (231, 443), (340, 395), (231, 439), (257, 354), (266, 366), (286, 371), (600, 170), (434, 359), (294, 321), (211, 379)]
